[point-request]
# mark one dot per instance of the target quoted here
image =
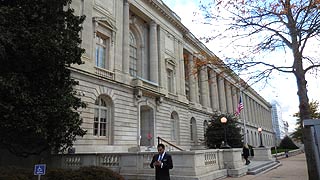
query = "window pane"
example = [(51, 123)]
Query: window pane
[(103, 122), (95, 126), (103, 103), (170, 80), (133, 61), (191, 130), (103, 115), (173, 129), (100, 52), (102, 57), (103, 128), (133, 55), (97, 56)]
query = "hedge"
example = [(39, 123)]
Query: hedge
[(83, 173)]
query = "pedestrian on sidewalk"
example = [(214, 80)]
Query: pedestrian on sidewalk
[(286, 152), (245, 153), (162, 162)]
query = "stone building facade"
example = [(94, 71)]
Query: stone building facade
[(138, 82)]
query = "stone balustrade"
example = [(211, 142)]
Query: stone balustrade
[(104, 73), (187, 165)]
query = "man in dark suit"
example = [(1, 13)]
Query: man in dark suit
[(162, 162)]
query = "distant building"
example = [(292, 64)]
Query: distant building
[(286, 128), (279, 126)]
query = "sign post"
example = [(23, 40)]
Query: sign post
[(39, 169)]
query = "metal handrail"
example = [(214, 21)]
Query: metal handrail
[(159, 138)]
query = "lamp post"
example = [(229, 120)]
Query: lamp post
[(260, 132), (224, 122)]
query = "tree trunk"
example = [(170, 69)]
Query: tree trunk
[(305, 114)]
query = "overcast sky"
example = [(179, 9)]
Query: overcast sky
[(282, 88)]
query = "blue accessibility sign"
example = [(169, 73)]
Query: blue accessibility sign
[(39, 169)]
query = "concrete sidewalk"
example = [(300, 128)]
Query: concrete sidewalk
[(293, 168)]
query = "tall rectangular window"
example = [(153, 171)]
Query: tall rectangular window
[(170, 80), (101, 51)]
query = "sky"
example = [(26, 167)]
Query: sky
[(282, 87)]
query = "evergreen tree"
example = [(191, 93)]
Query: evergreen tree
[(315, 114), (39, 41), (287, 143), (215, 131)]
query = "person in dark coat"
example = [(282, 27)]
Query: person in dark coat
[(162, 162), (245, 152)]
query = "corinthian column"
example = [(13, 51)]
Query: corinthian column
[(204, 87), (222, 95), (229, 97), (154, 62), (125, 36), (192, 83), (214, 98)]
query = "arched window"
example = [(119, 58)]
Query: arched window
[(133, 55), (193, 130), (102, 117), (205, 126), (174, 119)]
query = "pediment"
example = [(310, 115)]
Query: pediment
[(104, 21)]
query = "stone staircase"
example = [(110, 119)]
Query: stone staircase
[(262, 166)]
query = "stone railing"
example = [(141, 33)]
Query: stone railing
[(210, 158), (290, 153), (145, 84), (104, 73), (187, 165), (73, 161)]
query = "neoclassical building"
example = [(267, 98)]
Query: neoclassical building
[(138, 81)]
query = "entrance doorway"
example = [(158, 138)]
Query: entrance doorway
[(146, 126)]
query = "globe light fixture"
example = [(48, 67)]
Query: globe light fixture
[(225, 145), (260, 132)]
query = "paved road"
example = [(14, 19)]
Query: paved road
[(293, 168)]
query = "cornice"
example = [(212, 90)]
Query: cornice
[(168, 14)]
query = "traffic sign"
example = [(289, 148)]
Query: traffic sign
[(39, 169)]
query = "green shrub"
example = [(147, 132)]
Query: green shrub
[(287, 143), (279, 150), (84, 173), (14, 173)]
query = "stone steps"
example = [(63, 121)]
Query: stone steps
[(263, 167)]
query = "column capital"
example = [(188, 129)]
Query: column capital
[(152, 23)]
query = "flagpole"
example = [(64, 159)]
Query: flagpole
[(245, 136), (244, 120)]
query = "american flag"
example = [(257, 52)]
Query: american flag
[(240, 107)]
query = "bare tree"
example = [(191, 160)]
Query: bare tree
[(262, 26)]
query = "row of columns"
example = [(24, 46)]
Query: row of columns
[(254, 138), (255, 113), (215, 92), (220, 94)]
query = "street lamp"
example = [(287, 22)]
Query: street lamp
[(260, 132), (224, 122)]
